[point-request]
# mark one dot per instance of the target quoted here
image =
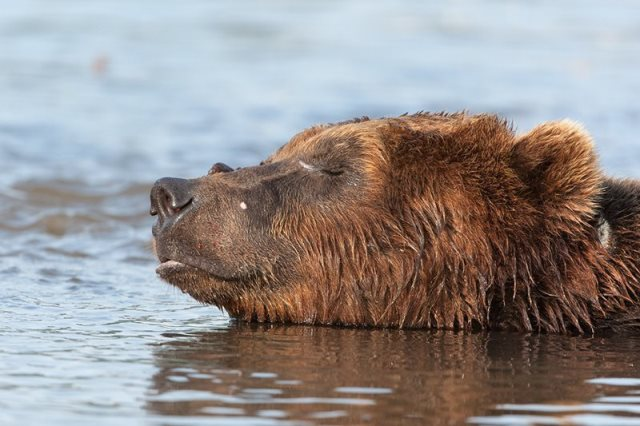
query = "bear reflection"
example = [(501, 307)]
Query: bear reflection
[(334, 375)]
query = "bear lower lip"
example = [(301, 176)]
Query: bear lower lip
[(170, 268), (169, 264)]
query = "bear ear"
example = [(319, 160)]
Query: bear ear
[(558, 164)]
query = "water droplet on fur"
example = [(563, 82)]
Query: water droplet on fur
[(306, 166)]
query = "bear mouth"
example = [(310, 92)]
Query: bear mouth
[(169, 265), (169, 269)]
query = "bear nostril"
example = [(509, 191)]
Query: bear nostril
[(170, 196), (171, 204)]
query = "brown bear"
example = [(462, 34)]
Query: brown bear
[(420, 221)]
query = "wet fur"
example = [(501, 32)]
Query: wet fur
[(457, 222)]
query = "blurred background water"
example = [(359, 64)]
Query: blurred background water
[(98, 99)]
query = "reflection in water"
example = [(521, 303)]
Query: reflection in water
[(333, 375)]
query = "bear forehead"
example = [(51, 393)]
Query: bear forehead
[(360, 143)]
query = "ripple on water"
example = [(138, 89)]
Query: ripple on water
[(603, 410), (59, 207), (370, 391)]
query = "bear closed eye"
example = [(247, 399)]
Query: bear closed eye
[(420, 221)]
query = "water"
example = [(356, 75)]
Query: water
[(98, 99)]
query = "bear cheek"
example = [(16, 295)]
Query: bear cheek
[(226, 237), (211, 237)]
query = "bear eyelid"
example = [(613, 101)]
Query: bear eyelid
[(333, 172), (311, 168)]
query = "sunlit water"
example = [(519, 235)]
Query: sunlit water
[(98, 99)]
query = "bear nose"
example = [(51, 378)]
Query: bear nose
[(170, 196)]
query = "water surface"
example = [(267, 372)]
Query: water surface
[(98, 99)]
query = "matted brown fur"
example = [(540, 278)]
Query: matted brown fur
[(425, 220)]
